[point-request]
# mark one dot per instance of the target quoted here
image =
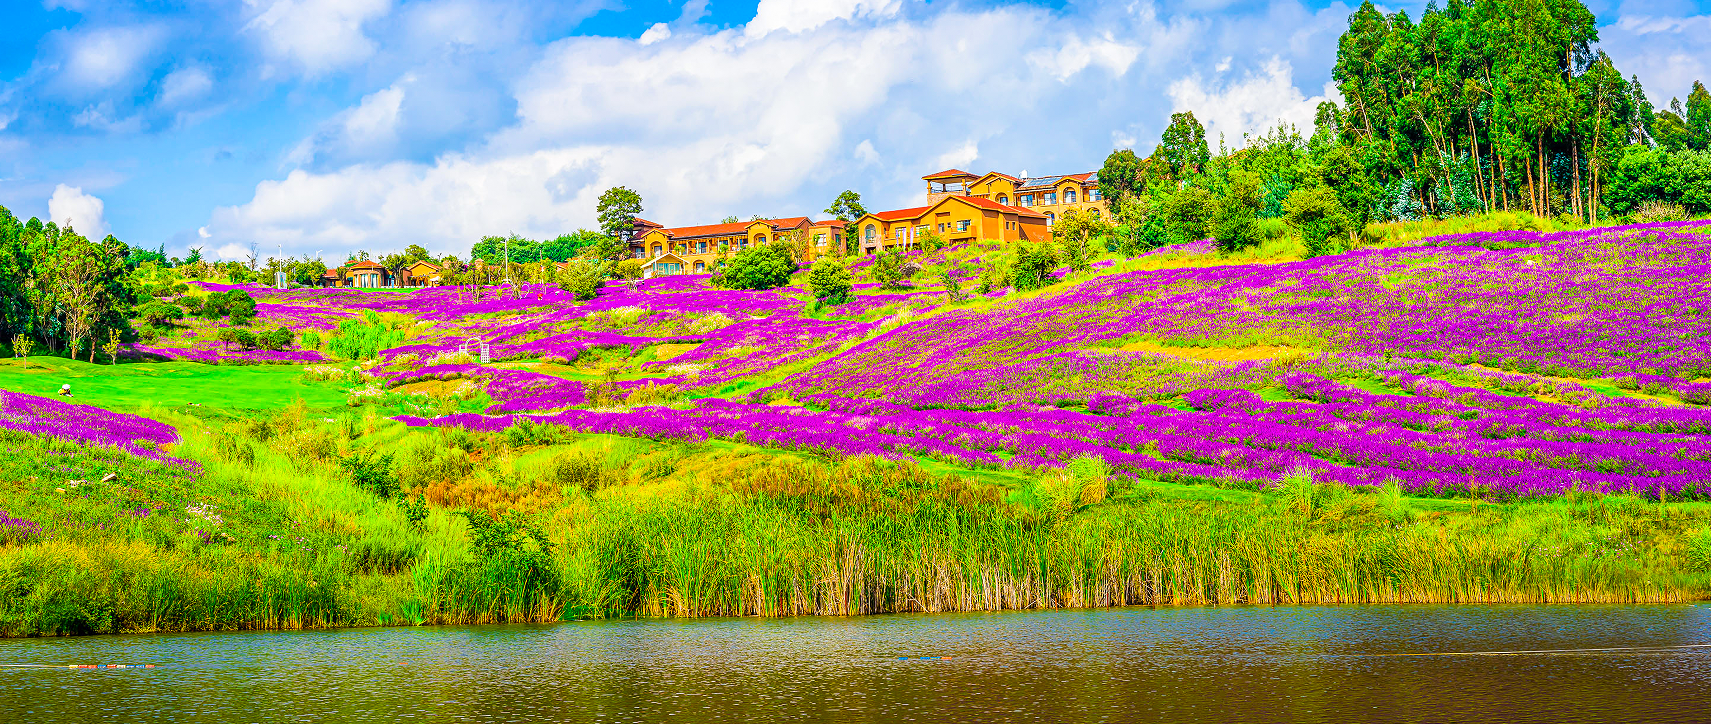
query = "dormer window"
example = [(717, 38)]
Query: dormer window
[(1069, 197)]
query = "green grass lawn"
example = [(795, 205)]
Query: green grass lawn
[(127, 386)]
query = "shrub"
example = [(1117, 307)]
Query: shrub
[(1033, 267), (1654, 211), (372, 473), (161, 314), (1318, 218), (758, 267), (829, 280), (577, 470), (583, 279)]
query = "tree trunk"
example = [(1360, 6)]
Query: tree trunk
[(1579, 209)]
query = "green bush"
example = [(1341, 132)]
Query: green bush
[(829, 280), (372, 473), (758, 267)]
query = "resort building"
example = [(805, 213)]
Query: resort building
[(364, 274), (1048, 195), (698, 249), (956, 218), (419, 274)]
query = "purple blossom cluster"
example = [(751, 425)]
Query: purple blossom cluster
[(88, 425), (17, 529), (220, 355)]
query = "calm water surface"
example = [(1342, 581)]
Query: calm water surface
[(1210, 664)]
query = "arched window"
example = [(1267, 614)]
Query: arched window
[(1051, 218), (1069, 197), (872, 231), (761, 239), (658, 251), (700, 266), (1004, 199)]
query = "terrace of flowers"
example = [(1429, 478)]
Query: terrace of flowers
[(1498, 365)]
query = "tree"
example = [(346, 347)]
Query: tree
[(1235, 220), (847, 207), (1120, 179), (1317, 217), (766, 266), (1187, 214), (1075, 231), (415, 253), (617, 209), (1697, 118), (161, 314), (1183, 149), (1033, 267), (583, 278), (829, 280), (565, 247)]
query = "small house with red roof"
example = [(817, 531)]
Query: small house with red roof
[(1051, 196), (699, 248)]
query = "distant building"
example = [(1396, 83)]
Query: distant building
[(955, 218), (1049, 195), (419, 274), (697, 249), (362, 274)]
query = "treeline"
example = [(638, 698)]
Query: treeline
[(1488, 106), (60, 289)]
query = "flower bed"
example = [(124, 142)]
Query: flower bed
[(88, 425)]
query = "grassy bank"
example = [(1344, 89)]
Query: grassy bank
[(538, 524)]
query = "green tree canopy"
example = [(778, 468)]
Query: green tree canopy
[(617, 209)]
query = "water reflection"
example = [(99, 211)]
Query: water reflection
[(1205, 664)]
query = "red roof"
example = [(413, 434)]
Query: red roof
[(987, 203), (1080, 176), (365, 264), (639, 221), (896, 214), (1001, 174), (831, 222), (950, 173), (739, 227)]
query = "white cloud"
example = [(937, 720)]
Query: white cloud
[(800, 15), (659, 31), (233, 252), (1249, 106), (960, 156), (1668, 53), (776, 117), (1077, 54), (317, 35), (360, 131), (184, 84), (69, 206), (106, 57)]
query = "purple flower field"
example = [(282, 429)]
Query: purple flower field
[(1506, 364), (88, 425)]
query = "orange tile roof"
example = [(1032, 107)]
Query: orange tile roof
[(896, 214), (738, 227), (987, 203), (831, 222), (949, 173), (1001, 174), (366, 264)]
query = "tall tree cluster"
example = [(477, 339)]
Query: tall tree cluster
[(61, 289)]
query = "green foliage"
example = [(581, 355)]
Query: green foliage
[(583, 279), (617, 209), (1654, 174), (846, 207), (1235, 221), (493, 250), (1121, 179), (161, 314), (1182, 150), (829, 280), (1317, 217), (568, 246), (1033, 266), (372, 472), (889, 270), (1187, 215), (766, 266), (364, 338)]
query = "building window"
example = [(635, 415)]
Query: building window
[(658, 251), (1050, 199), (760, 239), (871, 231), (1069, 197), (1094, 195), (962, 225), (1027, 199), (1051, 218), (700, 266), (1003, 199), (819, 240), (897, 233)]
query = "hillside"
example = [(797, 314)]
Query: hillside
[(1512, 416)]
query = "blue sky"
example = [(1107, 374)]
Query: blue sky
[(332, 125)]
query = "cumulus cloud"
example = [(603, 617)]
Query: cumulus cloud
[(369, 127), (185, 84), (775, 117), (102, 58), (1250, 105), (799, 15), (1669, 53), (317, 35), (69, 206)]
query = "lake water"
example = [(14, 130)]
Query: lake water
[(1390, 663)]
